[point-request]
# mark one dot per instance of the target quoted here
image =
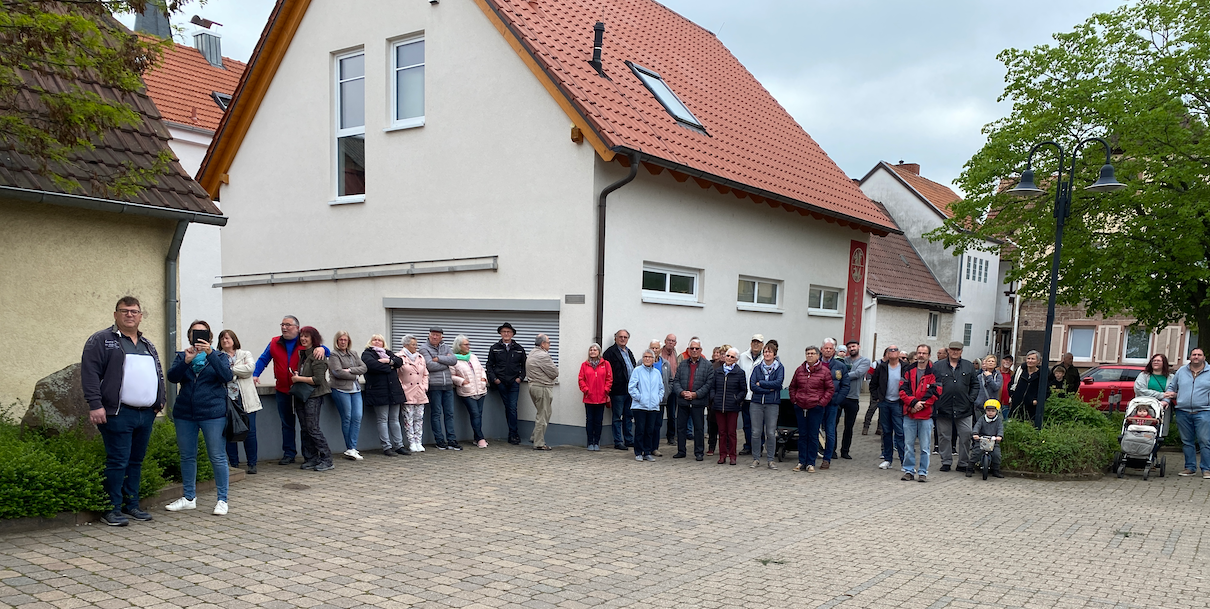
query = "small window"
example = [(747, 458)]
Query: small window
[(966, 334), (670, 285), (987, 338), (823, 301), (407, 92), (1135, 347), (222, 99), (934, 321), (350, 126), (665, 96), (1190, 343), (968, 268), (1079, 343), (758, 293), (1129, 374)]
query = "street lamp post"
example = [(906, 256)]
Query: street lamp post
[(1026, 188)]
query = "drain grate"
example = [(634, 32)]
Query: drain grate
[(294, 486)]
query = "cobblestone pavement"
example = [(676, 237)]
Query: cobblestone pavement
[(508, 526)]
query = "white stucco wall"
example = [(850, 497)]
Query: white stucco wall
[(201, 251), (905, 327)]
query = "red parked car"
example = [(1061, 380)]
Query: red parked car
[(1109, 385)]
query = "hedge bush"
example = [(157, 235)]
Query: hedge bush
[(1075, 438), (45, 473)]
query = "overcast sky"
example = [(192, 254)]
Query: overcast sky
[(870, 80)]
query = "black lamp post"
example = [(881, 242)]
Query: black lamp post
[(1026, 188)]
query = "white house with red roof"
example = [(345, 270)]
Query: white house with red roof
[(974, 279), (390, 166)]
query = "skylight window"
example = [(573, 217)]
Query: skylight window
[(222, 99), (665, 96)]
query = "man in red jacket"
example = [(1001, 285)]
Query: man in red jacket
[(917, 393), (284, 355)]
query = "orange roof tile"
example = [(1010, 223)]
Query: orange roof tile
[(939, 195), (750, 139), (896, 273), (181, 86)]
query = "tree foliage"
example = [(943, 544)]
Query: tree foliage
[(1140, 77), (44, 43)]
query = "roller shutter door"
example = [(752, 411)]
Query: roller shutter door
[(478, 326)]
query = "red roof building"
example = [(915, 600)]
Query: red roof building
[(188, 90)]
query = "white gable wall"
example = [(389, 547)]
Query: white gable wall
[(201, 252)]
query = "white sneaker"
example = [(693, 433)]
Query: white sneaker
[(182, 504), (419, 448), (220, 508), (884, 465), (356, 455)]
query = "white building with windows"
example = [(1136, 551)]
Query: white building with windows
[(972, 278), (389, 166)]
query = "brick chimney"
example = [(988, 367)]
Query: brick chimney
[(912, 168)]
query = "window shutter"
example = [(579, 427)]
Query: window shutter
[(1110, 337), (478, 326), (1056, 343), (1169, 343)]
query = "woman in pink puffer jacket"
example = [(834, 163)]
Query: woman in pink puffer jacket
[(414, 376)]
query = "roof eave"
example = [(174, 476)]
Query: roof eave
[(912, 302), (109, 205)]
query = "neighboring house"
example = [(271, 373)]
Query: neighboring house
[(905, 305), (1095, 339), (973, 278), (192, 87), (69, 256), (389, 166)]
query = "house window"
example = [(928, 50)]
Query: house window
[(670, 285), (1135, 347), (934, 321), (1079, 343), (407, 94), (222, 99), (665, 96), (966, 334), (968, 267), (760, 294), (350, 127), (987, 338), (823, 301), (1190, 343)]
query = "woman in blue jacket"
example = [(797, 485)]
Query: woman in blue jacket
[(201, 405), (646, 389), (767, 380)]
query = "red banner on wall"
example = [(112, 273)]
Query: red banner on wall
[(855, 295)]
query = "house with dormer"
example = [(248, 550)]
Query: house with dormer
[(390, 166)]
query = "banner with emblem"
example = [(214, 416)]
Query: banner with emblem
[(854, 296)]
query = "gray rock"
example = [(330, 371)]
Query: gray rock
[(58, 403)]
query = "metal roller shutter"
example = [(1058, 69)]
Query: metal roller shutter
[(478, 326)]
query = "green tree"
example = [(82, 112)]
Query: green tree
[(1140, 77), (48, 49)]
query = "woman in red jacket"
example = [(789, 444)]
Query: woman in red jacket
[(810, 390), (596, 377), (917, 392)]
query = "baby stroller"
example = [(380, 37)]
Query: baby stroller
[(1141, 437), (787, 429)]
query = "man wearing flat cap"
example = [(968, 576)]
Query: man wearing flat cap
[(440, 361), (505, 367), (955, 409)]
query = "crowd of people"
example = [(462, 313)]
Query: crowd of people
[(920, 403)]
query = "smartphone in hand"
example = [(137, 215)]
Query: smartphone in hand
[(198, 335)]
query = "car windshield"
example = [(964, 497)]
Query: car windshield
[(1104, 375)]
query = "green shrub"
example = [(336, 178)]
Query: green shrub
[(1064, 448), (1070, 409)]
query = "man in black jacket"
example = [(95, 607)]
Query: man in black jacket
[(123, 383), (621, 362), (955, 409), (884, 391), (505, 369), (691, 390)]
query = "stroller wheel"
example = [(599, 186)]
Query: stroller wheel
[(1163, 465), (1121, 469), (1146, 472)]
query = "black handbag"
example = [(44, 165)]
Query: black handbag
[(302, 391), (237, 422)]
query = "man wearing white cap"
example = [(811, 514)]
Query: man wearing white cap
[(747, 360)]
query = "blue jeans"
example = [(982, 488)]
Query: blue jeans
[(285, 411), (186, 443), (917, 429), (809, 420), (829, 427), (474, 410), (249, 445), (509, 391), (125, 436), (349, 405), (441, 416), (593, 413), (1195, 426), (890, 418), (622, 432)]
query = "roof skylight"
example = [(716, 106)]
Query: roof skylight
[(665, 96)]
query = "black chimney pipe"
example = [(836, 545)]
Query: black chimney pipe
[(598, 33)]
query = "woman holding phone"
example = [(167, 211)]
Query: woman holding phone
[(201, 406)]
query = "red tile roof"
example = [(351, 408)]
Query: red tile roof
[(897, 274), (181, 86), (750, 139), (939, 195)]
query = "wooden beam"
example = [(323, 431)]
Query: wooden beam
[(722, 189), (653, 169), (678, 176), (701, 182)]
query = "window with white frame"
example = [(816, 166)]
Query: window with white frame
[(824, 301), (1079, 343), (966, 334), (754, 293), (670, 285), (407, 90), (350, 126), (934, 322), (1136, 346), (1190, 343)]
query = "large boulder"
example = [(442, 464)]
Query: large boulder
[(58, 403)]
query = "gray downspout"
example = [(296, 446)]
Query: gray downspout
[(170, 298), (600, 313)]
